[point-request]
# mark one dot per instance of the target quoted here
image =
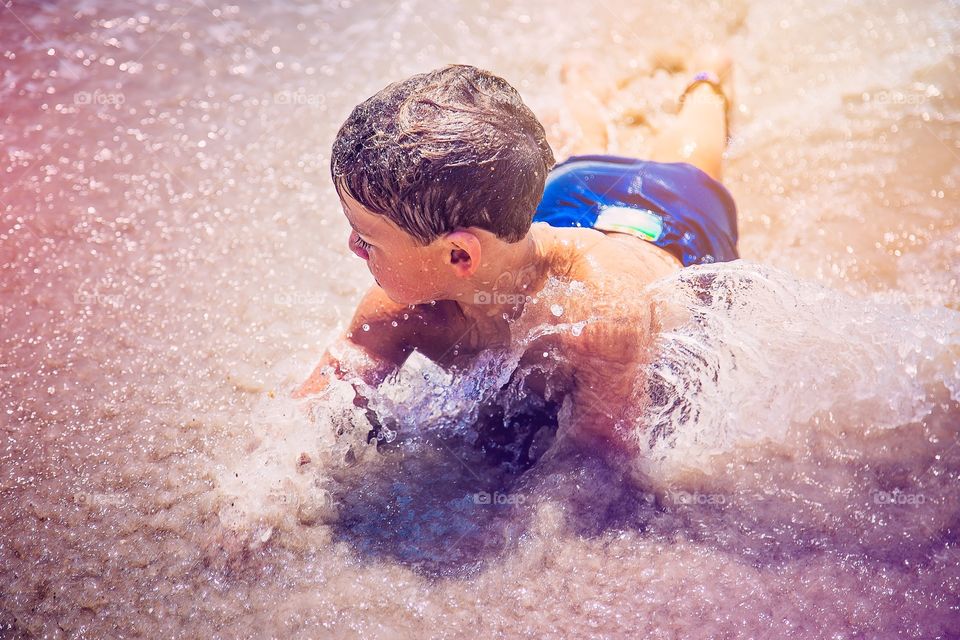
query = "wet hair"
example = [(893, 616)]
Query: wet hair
[(451, 148)]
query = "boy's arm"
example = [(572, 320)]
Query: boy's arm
[(608, 356), (381, 334), (603, 396)]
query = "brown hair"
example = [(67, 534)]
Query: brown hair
[(451, 148)]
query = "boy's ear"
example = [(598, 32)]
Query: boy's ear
[(463, 253)]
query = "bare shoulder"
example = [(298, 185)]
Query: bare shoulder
[(589, 255), (612, 326), (607, 276)]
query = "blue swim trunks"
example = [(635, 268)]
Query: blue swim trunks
[(674, 205)]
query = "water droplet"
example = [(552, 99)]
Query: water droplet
[(365, 327)]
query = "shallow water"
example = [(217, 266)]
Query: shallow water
[(173, 263)]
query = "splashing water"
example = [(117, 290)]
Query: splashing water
[(765, 353)]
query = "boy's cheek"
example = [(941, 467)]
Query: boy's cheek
[(396, 289), (375, 272)]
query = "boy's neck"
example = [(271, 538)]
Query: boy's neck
[(509, 275)]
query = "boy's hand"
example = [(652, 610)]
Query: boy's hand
[(376, 343), (320, 378), (331, 367)]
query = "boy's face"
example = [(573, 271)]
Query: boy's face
[(408, 272)]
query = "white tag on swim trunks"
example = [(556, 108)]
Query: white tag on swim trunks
[(642, 223)]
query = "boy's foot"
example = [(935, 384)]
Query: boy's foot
[(700, 132), (712, 82), (581, 72)]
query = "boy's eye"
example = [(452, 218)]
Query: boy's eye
[(361, 244)]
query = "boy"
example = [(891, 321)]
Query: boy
[(441, 176)]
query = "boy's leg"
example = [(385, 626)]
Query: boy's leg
[(699, 134), (586, 91)]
